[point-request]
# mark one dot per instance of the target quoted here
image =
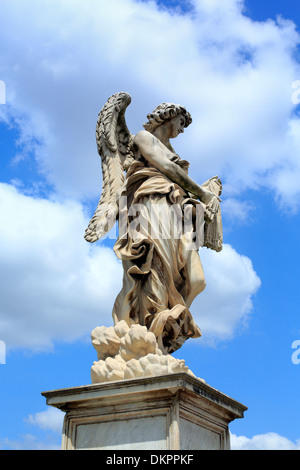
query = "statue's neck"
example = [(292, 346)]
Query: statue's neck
[(160, 134)]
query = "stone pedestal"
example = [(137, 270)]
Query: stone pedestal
[(171, 412)]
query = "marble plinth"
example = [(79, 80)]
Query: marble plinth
[(171, 412)]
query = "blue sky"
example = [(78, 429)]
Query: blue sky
[(232, 64)]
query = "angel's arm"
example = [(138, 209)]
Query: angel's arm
[(160, 157)]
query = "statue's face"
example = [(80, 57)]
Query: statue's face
[(176, 126)]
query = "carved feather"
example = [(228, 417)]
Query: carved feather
[(113, 142)]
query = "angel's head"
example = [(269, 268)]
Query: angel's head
[(166, 112)]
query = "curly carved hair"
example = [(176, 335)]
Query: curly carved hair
[(165, 112)]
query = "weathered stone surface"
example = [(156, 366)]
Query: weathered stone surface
[(170, 412), (164, 217), (134, 353)]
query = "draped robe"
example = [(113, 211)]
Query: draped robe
[(162, 268)]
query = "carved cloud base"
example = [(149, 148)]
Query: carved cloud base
[(169, 412), (130, 352)]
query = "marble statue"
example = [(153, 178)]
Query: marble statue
[(163, 218)]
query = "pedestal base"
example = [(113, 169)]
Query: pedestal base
[(171, 412)]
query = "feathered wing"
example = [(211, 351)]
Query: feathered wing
[(113, 141)]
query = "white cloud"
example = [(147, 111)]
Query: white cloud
[(47, 436), (28, 442), (51, 419), (235, 76), (234, 209), (54, 285), (224, 307), (268, 441)]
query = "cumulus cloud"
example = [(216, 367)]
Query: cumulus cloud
[(51, 419), (268, 441), (54, 286), (236, 210), (28, 442), (227, 301), (235, 77), (46, 435)]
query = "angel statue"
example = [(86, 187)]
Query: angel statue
[(162, 271)]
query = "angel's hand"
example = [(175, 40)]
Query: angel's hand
[(207, 196), (214, 184), (211, 202), (218, 182)]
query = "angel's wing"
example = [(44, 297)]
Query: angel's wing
[(113, 140)]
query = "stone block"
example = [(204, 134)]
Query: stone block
[(170, 412)]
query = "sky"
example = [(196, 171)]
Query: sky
[(235, 65)]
